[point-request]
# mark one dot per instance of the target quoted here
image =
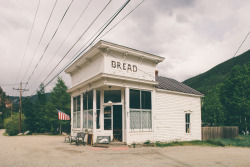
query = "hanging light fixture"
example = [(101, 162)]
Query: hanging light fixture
[(109, 102)]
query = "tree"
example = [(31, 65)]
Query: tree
[(213, 112), (4, 112), (29, 112), (12, 124), (235, 96), (60, 100), (41, 124)]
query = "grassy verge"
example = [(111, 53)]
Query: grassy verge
[(241, 141)]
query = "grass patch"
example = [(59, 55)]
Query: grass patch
[(184, 143), (241, 141)]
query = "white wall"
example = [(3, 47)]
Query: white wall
[(169, 117), (89, 70)]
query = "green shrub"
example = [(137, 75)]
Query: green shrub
[(12, 124)]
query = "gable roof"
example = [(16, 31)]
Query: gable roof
[(173, 85)]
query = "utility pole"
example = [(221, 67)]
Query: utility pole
[(20, 105)]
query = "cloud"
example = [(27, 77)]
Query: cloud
[(192, 35)]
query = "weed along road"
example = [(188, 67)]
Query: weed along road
[(41, 150)]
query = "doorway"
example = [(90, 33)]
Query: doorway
[(117, 123)]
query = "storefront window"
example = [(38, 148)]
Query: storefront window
[(76, 112), (88, 110), (107, 118), (98, 108), (140, 110)]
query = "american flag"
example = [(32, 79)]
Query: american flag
[(62, 115)]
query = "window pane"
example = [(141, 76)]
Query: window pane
[(78, 103), (90, 119), (98, 119), (112, 95), (187, 117), (146, 99), (107, 112), (135, 120), (187, 128), (74, 104), (74, 120), (134, 99), (146, 120), (98, 99), (85, 101), (107, 124), (90, 100), (78, 119), (85, 119)]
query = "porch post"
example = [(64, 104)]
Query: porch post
[(94, 115), (81, 113), (127, 113)]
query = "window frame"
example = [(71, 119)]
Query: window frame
[(76, 112), (187, 123), (87, 110), (141, 110)]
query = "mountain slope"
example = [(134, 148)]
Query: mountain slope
[(218, 74)]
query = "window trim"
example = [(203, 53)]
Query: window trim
[(75, 111), (141, 110), (87, 111), (189, 123)]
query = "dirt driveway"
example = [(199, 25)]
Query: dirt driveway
[(30, 151)]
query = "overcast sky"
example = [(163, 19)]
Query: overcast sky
[(192, 35)]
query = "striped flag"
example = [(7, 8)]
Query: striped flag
[(62, 115)]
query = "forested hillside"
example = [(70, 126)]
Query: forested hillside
[(218, 74), (227, 93)]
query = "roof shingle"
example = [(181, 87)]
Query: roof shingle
[(173, 85)]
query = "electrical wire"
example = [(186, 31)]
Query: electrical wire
[(78, 39), (28, 40), (50, 40), (241, 44), (112, 18), (40, 39), (62, 42), (122, 19)]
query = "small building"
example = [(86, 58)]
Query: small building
[(116, 92)]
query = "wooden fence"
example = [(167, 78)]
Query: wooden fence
[(219, 132)]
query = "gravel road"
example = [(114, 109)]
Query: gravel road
[(42, 151)]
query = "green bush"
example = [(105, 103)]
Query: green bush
[(12, 124)]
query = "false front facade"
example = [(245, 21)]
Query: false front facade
[(117, 94)]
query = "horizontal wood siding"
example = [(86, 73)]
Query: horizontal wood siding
[(219, 132), (169, 117)]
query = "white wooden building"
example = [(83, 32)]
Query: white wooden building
[(116, 92)]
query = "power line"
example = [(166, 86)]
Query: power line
[(122, 19), (110, 28), (112, 18), (28, 41), (78, 39), (241, 44), (40, 38), (64, 40), (50, 40)]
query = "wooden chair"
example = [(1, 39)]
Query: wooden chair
[(78, 138)]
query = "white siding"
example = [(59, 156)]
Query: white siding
[(169, 117), (95, 67)]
